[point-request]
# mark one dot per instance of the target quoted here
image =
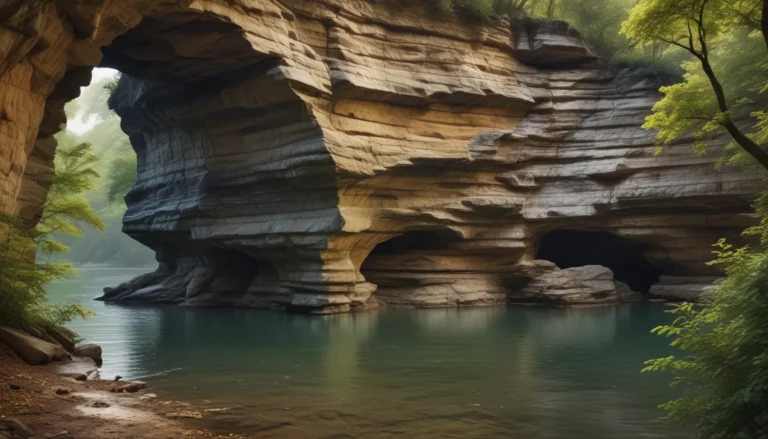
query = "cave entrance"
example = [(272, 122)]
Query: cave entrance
[(575, 248), (410, 265)]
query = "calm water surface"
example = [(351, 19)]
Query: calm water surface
[(473, 373)]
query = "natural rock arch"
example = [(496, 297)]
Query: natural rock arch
[(301, 136)]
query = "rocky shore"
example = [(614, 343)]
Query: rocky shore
[(66, 399)]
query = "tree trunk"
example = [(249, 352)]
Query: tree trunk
[(722, 105), (551, 8), (764, 22)]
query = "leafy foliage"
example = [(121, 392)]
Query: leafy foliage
[(25, 265), (122, 176), (480, 10), (724, 370), (726, 73), (117, 170), (599, 22)]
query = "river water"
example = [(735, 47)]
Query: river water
[(472, 373)]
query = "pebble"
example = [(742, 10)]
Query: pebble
[(62, 391), (100, 404), (185, 414), (130, 387)]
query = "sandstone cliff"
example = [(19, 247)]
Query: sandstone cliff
[(330, 155)]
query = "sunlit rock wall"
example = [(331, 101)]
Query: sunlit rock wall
[(303, 156)]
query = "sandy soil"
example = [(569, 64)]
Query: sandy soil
[(89, 410)]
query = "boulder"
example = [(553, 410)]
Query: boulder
[(31, 349), (89, 350), (63, 336), (589, 284)]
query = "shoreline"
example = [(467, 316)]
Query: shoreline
[(52, 406)]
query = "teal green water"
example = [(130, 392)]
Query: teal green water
[(472, 373)]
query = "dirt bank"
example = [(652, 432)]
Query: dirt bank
[(53, 406)]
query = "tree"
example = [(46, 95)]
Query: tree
[(693, 25), (689, 106), (122, 176), (599, 21), (26, 266), (117, 169)]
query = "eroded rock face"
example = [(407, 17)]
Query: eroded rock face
[(301, 156)]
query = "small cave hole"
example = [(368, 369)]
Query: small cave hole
[(403, 264), (575, 248)]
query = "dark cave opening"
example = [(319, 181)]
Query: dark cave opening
[(396, 265), (575, 248), (415, 241)]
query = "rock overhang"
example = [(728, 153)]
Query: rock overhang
[(289, 142)]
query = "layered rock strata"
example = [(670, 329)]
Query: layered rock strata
[(327, 156)]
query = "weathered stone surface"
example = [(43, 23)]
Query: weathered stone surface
[(89, 350), (79, 368), (682, 288), (590, 284), (63, 337), (328, 156), (31, 349), (549, 43)]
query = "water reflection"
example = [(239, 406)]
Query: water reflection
[(484, 373)]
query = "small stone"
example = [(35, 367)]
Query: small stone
[(100, 404), (16, 427), (62, 391), (75, 376), (185, 414), (131, 387), (14, 386)]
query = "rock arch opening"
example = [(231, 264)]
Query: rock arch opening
[(226, 149), (577, 248), (426, 268)]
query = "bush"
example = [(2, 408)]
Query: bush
[(724, 365), (478, 10)]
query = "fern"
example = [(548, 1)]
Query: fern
[(25, 266)]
